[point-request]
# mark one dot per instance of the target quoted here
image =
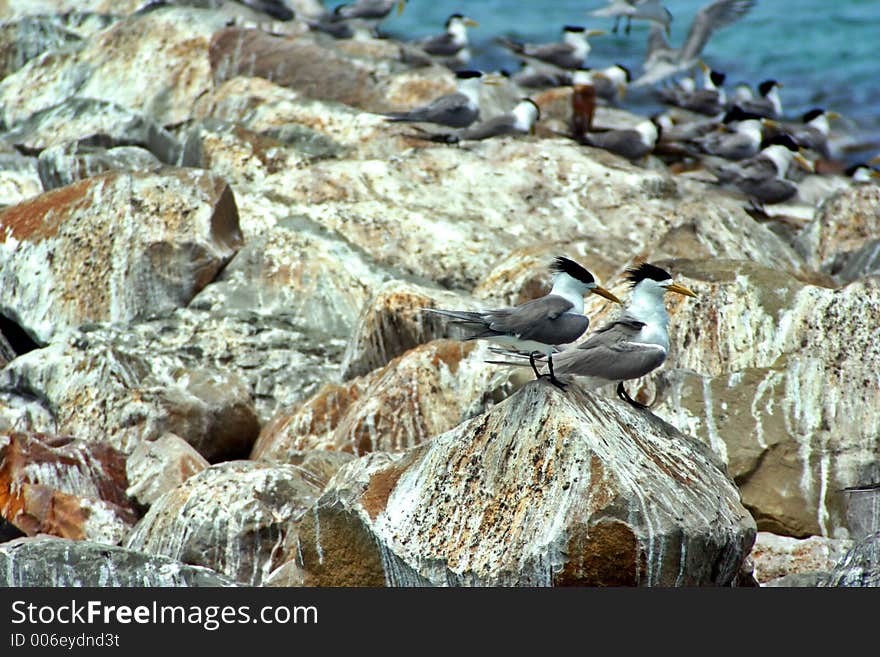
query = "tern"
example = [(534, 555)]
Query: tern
[(609, 83), (651, 10), (452, 45), (456, 110), (355, 29), (768, 104), (762, 177), (813, 133), (570, 54), (632, 143), (662, 61), (374, 11), (629, 347), (710, 100), (743, 142), (519, 121), (540, 325)]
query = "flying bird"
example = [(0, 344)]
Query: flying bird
[(651, 10), (663, 61), (540, 325)]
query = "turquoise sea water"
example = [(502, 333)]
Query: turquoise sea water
[(825, 52)]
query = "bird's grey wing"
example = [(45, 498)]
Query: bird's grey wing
[(441, 44), (504, 124), (549, 51), (656, 40), (437, 108), (710, 18), (544, 320), (613, 352), (626, 143)]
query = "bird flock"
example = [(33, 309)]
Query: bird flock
[(737, 139)]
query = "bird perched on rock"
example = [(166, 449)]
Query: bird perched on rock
[(519, 121), (450, 47), (629, 347), (355, 29), (609, 83), (813, 131), (663, 61), (373, 11), (651, 10), (456, 110), (762, 177), (768, 103), (710, 100), (570, 54), (540, 325), (743, 142), (631, 143)]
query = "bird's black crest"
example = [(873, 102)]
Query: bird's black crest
[(765, 87), (637, 274), (812, 114), (574, 28), (717, 78), (466, 75), (851, 170), (562, 265), (737, 113), (626, 72), (781, 140)]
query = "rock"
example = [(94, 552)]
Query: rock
[(235, 517), (57, 562), (69, 488), (860, 567), (120, 65), (547, 488), (8, 531), (777, 557), (424, 392), (22, 40), (92, 123), (157, 466), (863, 510), (287, 574), (63, 165), (782, 386), (19, 179), (393, 322), (16, 9), (844, 237), (318, 462), (65, 263), (798, 580), (103, 384)]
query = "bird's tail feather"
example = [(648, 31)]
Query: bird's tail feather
[(459, 316)]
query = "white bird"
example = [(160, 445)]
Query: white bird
[(663, 61), (451, 47), (609, 83), (631, 143), (768, 104), (540, 325), (629, 347), (456, 110), (743, 142), (519, 121), (651, 10), (570, 54)]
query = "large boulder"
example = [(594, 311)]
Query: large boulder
[(114, 247), (860, 567), (236, 518), (56, 562), (64, 487), (547, 488)]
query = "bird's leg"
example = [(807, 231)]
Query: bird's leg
[(616, 23), (559, 384), (622, 393), (629, 22), (538, 375)]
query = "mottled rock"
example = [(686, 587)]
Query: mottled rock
[(288, 574), (844, 237), (860, 567), (120, 65), (22, 40), (547, 488), (394, 321), (68, 163), (235, 517), (320, 463), (101, 384), (863, 510), (93, 123), (157, 466), (776, 557), (58, 562), (780, 378), (420, 394), (65, 487), (65, 263)]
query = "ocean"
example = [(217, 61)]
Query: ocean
[(823, 52)]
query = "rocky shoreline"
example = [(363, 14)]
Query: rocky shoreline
[(215, 370)]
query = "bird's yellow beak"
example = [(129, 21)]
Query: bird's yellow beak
[(592, 33), (680, 289), (704, 67), (493, 79), (770, 123), (804, 162), (602, 292), (470, 22), (875, 173), (874, 160), (833, 115), (621, 90), (400, 6)]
